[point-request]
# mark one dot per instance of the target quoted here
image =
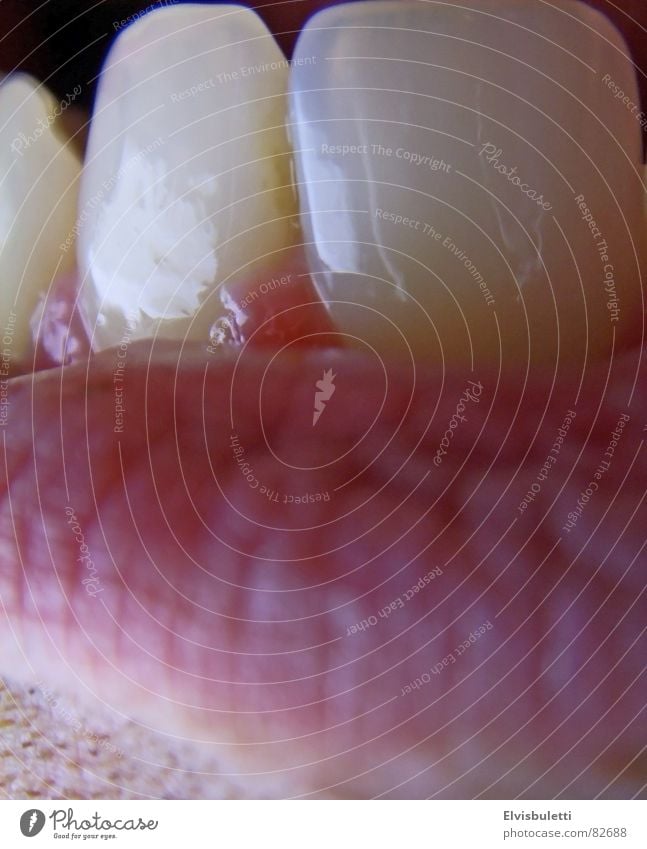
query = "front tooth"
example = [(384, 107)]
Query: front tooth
[(440, 152), (188, 172), (38, 180)]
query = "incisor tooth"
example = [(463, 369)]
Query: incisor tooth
[(188, 172), (38, 193), (470, 175)]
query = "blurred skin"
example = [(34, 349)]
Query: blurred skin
[(221, 614)]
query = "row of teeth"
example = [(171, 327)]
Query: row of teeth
[(465, 182)]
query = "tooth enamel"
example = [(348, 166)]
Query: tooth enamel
[(188, 171), (38, 193), (439, 153)]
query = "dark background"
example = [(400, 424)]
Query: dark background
[(64, 42)]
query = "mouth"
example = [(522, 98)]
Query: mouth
[(338, 473)]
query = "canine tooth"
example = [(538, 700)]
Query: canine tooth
[(38, 194), (188, 172), (440, 151)]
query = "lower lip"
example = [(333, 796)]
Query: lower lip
[(224, 613)]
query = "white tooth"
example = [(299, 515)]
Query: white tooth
[(188, 171), (38, 194), (416, 110)]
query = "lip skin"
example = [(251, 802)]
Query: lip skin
[(219, 614), (160, 564)]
